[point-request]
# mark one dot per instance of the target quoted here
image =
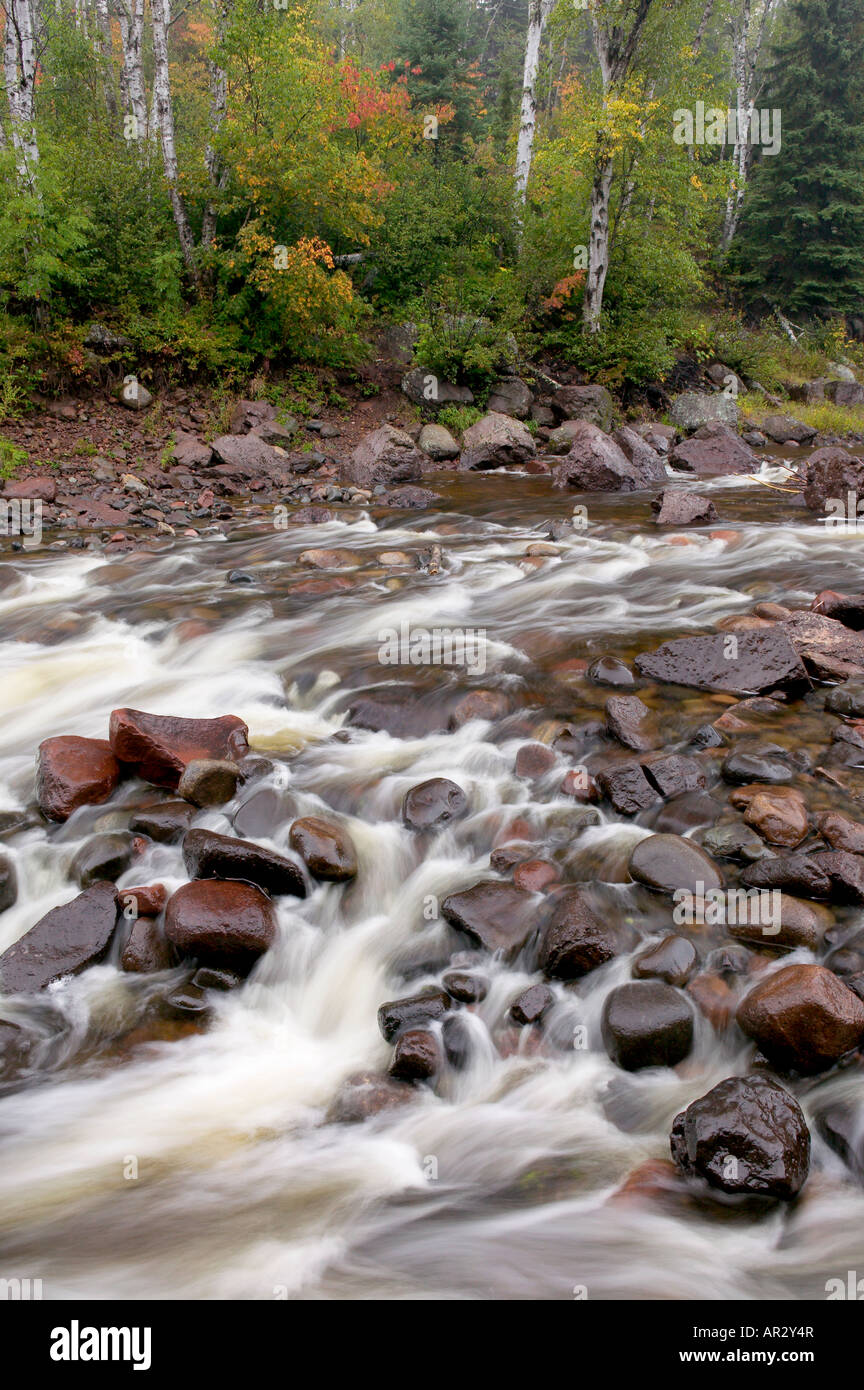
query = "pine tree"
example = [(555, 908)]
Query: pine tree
[(441, 37), (801, 242)]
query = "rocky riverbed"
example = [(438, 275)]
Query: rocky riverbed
[(442, 875)]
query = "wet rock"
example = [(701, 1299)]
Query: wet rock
[(209, 781), (398, 712), (847, 699), (262, 810), (829, 650), (830, 874), (8, 883), (672, 960), (847, 609), (579, 784), (147, 948), (102, 859), (496, 441), (457, 1041), (627, 787), (15, 1047), (221, 923), (746, 1136), (608, 670), (647, 463), (744, 664), (675, 774), (675, 507), (246, 456), (841, 832), (741, 768), (800, 925), (433, 804), (667, 863), (647, 1023), (581, 936), (497, 916), (829, 476), (416, 1057), (627, 720), (65, 941), (326, 849), (329, 559), (696, 408), (438, 443), (536, 875), (366, 1094), (187, 1002), (840, 1125), (713, 998), (784, 429), (411, 498), (683, 813), (803, 1018), (165, 822), (73, 772), (159, 747), (534, 760), (478, 704), (530, 1006), (208, 855), (399, 1015), (467, 987), (208, 978), (384, 457), (591, 403), (713, 451), (779, 816), (596, 463)]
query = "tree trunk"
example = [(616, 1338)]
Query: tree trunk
[(598, 243), (133, 93), (19, 61), (746, 52), (215, 168), (103, 43), (161, 16), (538, 13)]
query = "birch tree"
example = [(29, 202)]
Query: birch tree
[(130, 14), (216, 169), (617, 27), (160, 11), (19, 69), (750, 23), (538, 13)]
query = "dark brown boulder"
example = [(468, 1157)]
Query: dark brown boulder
[(829, 476), (830, 651), (165, 822), (73, 772), (595, 463), (8, 883), (744, 663), (384, 456), (675, 507), (803, 1018), (147, 948), (433, 804), (746, 1137), (497, 916), (366, 1094), (847, 609), (673, 960), (416, 1056), (713, 451), (673, 774), (582, 934), (647, 1023), (466, 987), (831, 874), (629, 721), (326, 849), (159, 746), (668, 863), (414, 1011), (221, 922), (530, 1006), (64, 942), (627, 787), (102, 858), (208, 855)]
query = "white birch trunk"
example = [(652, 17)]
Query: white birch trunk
[(746, 52), (538, 13), (132, 89), (161, 17), (217, 172), (19, 61)]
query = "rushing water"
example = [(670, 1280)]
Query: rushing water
[(200, 1166)]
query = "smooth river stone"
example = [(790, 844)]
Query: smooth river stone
[(667, 863)]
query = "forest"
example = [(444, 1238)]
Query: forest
[(618, 184)]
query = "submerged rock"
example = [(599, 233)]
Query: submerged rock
[(746, 663), (433, 804)]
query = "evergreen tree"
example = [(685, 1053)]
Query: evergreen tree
[(801, 241), (441, 37)]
